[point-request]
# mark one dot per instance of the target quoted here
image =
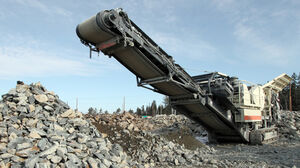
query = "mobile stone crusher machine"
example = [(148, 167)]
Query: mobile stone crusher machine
[(228, 108)]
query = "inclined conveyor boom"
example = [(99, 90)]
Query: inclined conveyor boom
[(114, 34)]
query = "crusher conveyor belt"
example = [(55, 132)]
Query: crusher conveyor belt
[(114, 34)]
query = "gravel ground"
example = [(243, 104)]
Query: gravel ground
[(180, 130), (279, 154)]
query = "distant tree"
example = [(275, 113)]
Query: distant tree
[(160, 109), (105, 112), (298, 80), (291, 89), (118, 110), (166, 101), (138, 111), (153, 108), (143, 110), (294, 77), (148, 111), (100, 110), (92, 111), (130, 111), (167, 110), (284, 98)]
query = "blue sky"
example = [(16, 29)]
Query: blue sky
[(253, 40)]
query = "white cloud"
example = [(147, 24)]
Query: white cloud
[(24, 56), (192, 48), (27, 62), (44, 8), (263, 51), (222, 4), (259, 31)]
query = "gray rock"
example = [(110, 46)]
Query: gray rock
[(30, 162), (73, 158), (23, 145), (6, 156), (12, 136), (78, 122), (17, 159), (91, 144), (92, 162), (21, 109), (56, 159), (26, 152), (38, 109), (12, 92), (106, 162), (40, 132), (16, 165), (48, 108), (176, 162), (31, 99), (36, 91), (68, 113), (181, 160), (99, 156), (3, 132), (82, 138), (213, 161), (62, 121), (31, 122), (45, 164), (13, 143), (15, 119), (58, 128), (43, 144), (49, 151), (22, 99), (70, 164), (21, 88), (61, 151), (2, 146), (117, 149), (34, 134), (41, 98), (63, 104)]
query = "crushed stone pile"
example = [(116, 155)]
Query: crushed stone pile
[(131, 122), (135, 135), (37, 129), (176, 122), (179, 129), (289, 125)]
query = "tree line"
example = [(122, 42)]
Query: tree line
[(294, 90), (148, 110)]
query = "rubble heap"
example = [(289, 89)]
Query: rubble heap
[(37, 129), (178, 121), (131, 122), (135, 135), (289, 125), (169, 120)]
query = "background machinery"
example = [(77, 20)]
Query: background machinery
[(228, 108)]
